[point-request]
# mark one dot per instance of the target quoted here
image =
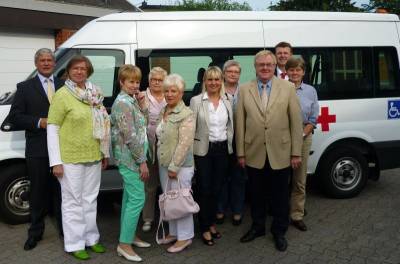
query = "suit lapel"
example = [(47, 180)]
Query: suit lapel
[(39, 88), (254, 92), (275, 91), (228, 107), (205, 110)]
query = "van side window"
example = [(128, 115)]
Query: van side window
[(340, 73), (387, 72)]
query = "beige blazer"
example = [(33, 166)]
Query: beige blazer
[(199, 107), (276, 131)]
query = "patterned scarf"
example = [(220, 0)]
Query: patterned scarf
[(93, 96)]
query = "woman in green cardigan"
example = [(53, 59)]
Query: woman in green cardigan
[(78, 134)]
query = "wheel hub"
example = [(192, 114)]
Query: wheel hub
[(346, 173), (17, 197)]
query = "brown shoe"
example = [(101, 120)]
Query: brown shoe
[(299, 224)]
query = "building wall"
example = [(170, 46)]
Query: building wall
[(17, 49)]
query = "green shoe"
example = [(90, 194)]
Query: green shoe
[(98, 248), (81, 254)]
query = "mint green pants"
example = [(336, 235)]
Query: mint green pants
[(132, 203)]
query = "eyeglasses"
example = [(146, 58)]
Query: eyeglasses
[(265, 65), (156, 80), (233, 72)]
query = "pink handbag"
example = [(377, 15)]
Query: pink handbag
[(175, 204)]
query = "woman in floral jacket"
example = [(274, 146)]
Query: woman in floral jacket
[(129, 142)]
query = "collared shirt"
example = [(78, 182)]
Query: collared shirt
[(218, 120), (155, 108), (309, 103), (43, 81), (278, 74), (260, 88)]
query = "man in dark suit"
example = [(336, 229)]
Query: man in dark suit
[(283, 52), (29, 112)]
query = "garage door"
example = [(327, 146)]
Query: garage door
[(17, 49)]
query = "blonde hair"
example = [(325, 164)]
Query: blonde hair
[(214, 72), (129, 71), (264, 53)]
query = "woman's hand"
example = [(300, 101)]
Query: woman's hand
[(172, 174), (104, 163), (144, 171), (58, 170), (140, 97)]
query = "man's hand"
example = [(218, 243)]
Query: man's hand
[(242, 162), (58, 170), (104, 163), (172, 174), (295, 162), (43, 123), (144, 171)]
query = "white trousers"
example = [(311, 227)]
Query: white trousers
[(182, 228), (79, 189)]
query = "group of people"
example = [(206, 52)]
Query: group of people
[(261, 130)]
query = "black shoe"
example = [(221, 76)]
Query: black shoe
[(251, 235), (235, 221), (280, 243), (220, 220), (299, 224), (31, 243), (208, 242), (216, 235)]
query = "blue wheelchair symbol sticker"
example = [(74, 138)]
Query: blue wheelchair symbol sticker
[(393, 109)]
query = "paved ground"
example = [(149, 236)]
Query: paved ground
[(365, 229)]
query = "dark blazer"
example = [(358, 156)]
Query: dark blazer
[(29, 105)]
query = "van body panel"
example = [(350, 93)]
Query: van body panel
[(353, 120), (100, 33), (354, 33), (199, 34)]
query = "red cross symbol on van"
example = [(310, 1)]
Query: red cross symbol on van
[(325, 118)]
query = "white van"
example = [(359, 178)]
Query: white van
[(352, 61)]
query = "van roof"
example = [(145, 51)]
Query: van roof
[(248, 15)]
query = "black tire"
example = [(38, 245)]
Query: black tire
[(343, 172), (14, 194)]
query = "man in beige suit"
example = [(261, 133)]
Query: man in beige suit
[(269, 139)]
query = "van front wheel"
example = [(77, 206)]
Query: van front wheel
[(343, 172), (14, 194)]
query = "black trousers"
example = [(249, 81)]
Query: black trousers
[(267, 183), (45, 195), (210, 173)]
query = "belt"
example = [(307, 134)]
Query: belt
[(218, 144)]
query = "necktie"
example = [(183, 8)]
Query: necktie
[(283, 75), (50, 90), (264, 96)]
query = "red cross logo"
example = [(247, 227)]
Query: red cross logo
[(325, 118)]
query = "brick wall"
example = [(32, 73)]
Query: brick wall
[(62, 35)]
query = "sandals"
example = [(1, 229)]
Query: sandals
[(208, 242), (216, 235)]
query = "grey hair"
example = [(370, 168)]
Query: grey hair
[(230, 63), (42, 51), (174, 80), (157, 70)]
